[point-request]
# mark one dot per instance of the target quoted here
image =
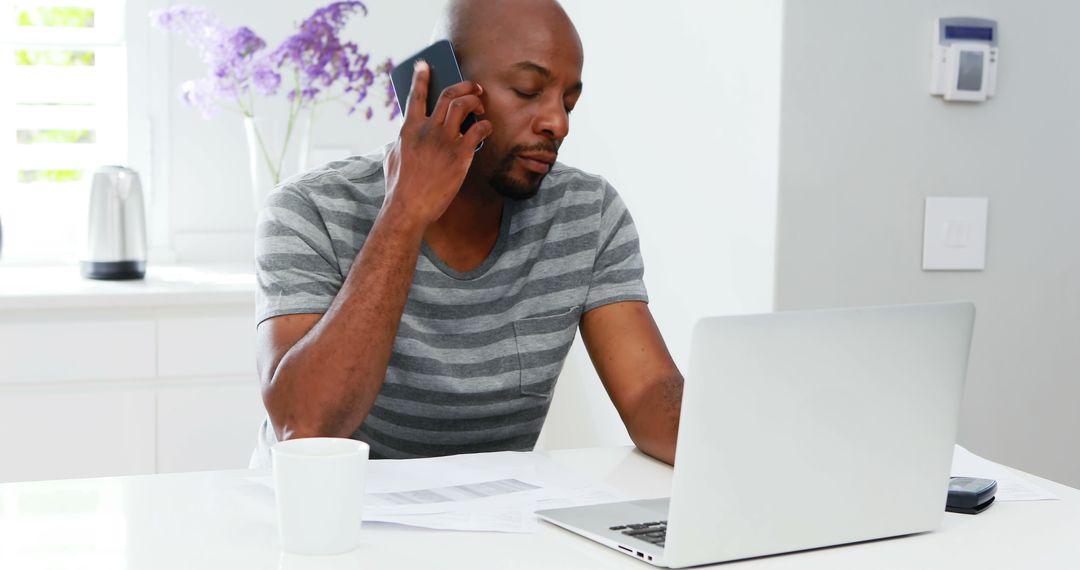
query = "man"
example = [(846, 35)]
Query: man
[(423, 299)]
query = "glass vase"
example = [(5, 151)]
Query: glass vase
[(275, 152)]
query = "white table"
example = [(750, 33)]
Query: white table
[(222, 519)]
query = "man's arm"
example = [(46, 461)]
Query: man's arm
[(638, 373), (321, 374)]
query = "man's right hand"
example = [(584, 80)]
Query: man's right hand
[(316, 381), (428, 163)]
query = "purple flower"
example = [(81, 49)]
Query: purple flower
[(322, 60), (266, 79), (231, 56), (243, 42), (391, 101), (199, 94), (237, 60)]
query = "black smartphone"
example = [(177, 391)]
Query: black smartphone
[(970, 495), (445, 72)]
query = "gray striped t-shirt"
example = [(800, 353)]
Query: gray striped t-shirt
[(477, 354)]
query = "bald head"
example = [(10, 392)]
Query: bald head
[(527, 56), (473, 26)]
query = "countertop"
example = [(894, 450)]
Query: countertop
[(60, 287)]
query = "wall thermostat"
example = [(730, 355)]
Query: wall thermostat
[(964, 59)]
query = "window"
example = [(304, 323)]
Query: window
[(63, 112)]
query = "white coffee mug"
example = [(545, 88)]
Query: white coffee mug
[(319, 483)]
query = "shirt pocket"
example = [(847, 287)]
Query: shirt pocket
[(542, 344)]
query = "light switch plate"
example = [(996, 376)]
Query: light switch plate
[(954, 234)]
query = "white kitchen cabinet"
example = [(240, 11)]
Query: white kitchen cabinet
[(76, 431), (37, 349), (218, 344), (120, 378), (209, 424)]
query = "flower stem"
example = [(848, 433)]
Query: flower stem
[(275, 173), (264, 153), (294, 110)]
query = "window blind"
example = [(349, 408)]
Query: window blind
[(62, 114)]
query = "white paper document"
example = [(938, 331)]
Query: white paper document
[(491, 491), (1010, 486), (465, 492), (497, 492)]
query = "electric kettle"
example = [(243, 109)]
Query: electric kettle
[(116, 230)]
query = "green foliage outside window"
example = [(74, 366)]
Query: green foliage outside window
[(58, 57), (31, 176), (55, 17), (54, 136)]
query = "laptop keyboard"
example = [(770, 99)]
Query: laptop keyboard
[(651, 532)]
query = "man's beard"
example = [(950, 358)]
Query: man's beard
[(507, 186)]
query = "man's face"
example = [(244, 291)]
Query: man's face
[(531, 83)]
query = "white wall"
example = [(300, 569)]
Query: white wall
[(679, 112), (862, 145)]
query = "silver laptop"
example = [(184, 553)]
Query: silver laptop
[(801, 430)]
